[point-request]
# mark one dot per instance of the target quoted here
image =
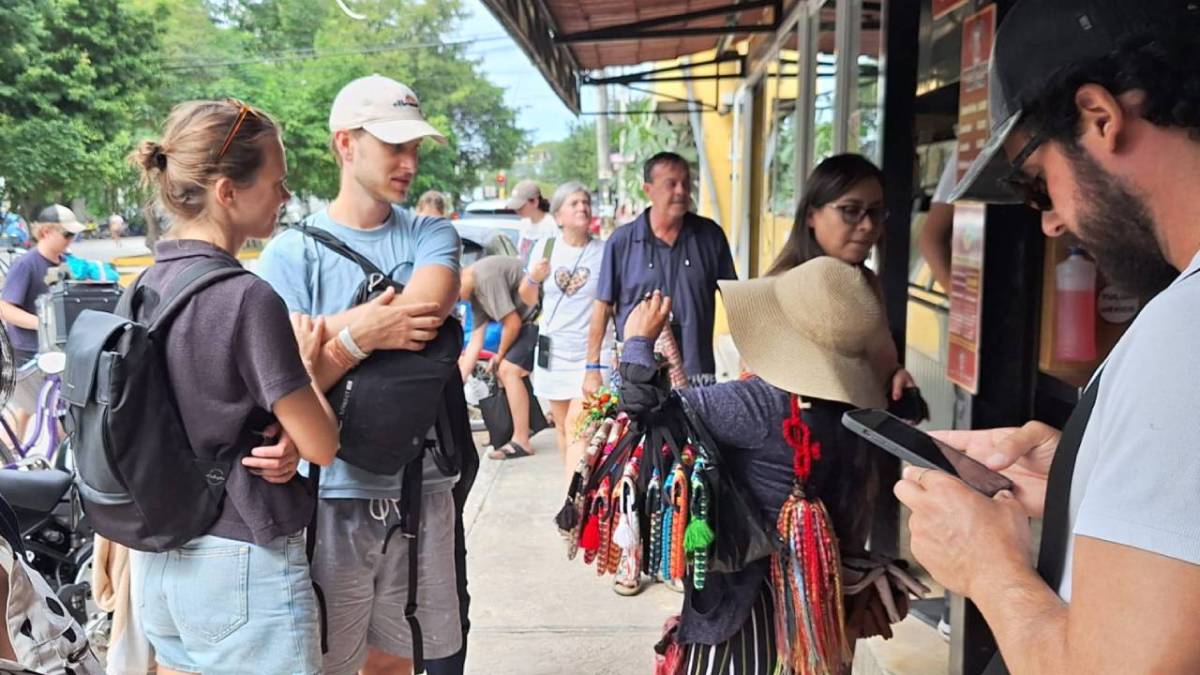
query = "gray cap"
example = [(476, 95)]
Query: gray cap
[(521, 193), (62, 216)]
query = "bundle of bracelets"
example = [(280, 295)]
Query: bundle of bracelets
[(344, 351)]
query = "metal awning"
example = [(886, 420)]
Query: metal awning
[(567, 38)]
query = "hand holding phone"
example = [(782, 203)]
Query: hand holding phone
[(920, 449)]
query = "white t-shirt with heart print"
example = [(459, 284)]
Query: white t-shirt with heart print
[(567, 301)]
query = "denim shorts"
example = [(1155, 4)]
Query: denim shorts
[(217, 605)]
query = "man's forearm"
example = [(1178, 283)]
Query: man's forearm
[(601, 311), (510, 328), (18, 317), (1029, 622)]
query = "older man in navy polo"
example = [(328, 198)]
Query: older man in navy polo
[(666, 248)]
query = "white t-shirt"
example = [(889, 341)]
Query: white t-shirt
[(948, 180), (1137, 475), (567, 297), (532, 232)]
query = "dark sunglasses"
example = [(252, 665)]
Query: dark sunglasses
[(854, 214), (1032, 190), (244, 111)]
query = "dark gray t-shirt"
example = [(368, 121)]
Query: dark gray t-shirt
[(497, 289), (231, 355), (26, 280)]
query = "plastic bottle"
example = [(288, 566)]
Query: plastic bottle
[(1075, 301)]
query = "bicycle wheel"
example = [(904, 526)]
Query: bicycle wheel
[(8, 368)]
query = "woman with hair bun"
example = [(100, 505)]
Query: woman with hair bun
[(240, 596)]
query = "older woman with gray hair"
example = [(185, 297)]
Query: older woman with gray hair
[(566, 267)]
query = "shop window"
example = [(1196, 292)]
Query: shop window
[(866, 120), (823, 110)]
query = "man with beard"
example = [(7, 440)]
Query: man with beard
[(1095, 122), (670, 249)]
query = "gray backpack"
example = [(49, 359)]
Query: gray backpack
[(141, 482)]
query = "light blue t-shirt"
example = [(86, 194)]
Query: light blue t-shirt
[(314, 280)]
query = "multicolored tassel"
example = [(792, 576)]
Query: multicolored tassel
[(806, 576)]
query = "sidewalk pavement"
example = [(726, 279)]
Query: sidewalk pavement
[(533, 612)]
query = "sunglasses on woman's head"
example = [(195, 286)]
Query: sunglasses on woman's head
[(1031, 189), (243, 112), (854, 214)]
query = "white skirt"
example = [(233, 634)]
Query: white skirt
[(563, 380)]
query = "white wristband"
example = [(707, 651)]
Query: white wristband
[(351, 346)]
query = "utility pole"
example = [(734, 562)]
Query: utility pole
[(603, 167)]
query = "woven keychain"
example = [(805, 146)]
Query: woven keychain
[(668, 515), (570, 517), (628, 535), (806, 575), (679, 522), (654, 508), (598, 512), (699, 536)]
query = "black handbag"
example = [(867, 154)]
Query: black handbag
[(498, 419), (741, 535), (388, 403)]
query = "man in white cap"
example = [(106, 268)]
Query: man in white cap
[(53, 230), (377, 129), (536, 223)]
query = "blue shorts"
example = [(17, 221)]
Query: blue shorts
[(216, 605)]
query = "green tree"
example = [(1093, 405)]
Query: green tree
[(291, 57), (574, 157), (74, 74)]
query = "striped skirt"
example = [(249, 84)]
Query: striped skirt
[(751, 651)]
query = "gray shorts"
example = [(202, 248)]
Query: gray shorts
[(28, 388), (365, 591)]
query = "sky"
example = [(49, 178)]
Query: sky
[(539, 109)]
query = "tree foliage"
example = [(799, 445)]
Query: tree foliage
[(82, 80), (73, 74)]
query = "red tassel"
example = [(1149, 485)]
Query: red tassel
[(590, 539)]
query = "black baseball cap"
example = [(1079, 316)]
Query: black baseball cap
[(1036, 40)]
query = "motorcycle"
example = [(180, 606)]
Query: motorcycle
[(58, 541)]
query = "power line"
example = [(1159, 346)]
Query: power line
[(312, 53)]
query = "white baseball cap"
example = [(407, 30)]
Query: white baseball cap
[(388, 110)]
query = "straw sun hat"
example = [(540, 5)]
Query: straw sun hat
[(808, 331)]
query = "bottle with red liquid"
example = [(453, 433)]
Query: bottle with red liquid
[(1075, 302)]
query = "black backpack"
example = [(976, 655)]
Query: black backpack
[(386, 405), (141, 482)]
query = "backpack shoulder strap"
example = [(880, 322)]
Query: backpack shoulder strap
[(195, 278), (331, 242)]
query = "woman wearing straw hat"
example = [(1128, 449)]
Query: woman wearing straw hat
[(806, 335), (842, 215)]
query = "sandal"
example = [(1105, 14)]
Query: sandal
[(627, 587), (509, 451)]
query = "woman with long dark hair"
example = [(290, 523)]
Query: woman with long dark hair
[(842, 215)]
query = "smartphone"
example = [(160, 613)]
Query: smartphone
[(920, 449)]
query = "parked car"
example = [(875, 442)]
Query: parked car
[(490, 207)]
